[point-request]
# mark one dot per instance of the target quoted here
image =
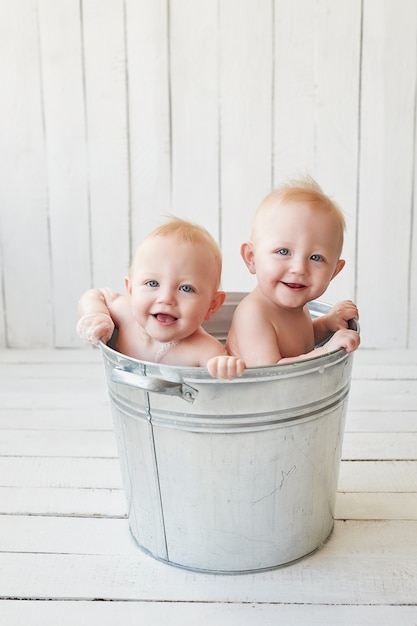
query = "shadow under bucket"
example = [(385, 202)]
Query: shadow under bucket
[(230, 476)]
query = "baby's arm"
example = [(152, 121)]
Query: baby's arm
[(225, 366), (252, 336), (95, 321), (344, 338), (337, 319)]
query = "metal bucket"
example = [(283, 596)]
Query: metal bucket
[(230, 476)]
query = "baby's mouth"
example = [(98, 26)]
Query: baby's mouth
[(165, 318), (295, 286)]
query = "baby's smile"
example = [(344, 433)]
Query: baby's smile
[(165, 318), (295, 286)]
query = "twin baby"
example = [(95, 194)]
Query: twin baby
[(173, 286)]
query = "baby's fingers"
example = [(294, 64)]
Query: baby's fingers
[(225, 367)]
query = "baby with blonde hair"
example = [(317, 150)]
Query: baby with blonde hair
[(172, 287), (295, 248)]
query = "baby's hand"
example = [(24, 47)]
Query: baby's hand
[(340, 315), (347, 339), (225, 366), (94, 326)]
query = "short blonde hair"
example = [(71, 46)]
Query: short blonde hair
[(303, 190), (188, 232)]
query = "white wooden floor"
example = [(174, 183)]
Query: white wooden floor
[(66, 555)]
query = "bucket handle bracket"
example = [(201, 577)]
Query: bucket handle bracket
[(154, 384)]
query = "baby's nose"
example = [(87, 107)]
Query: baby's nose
[(299, 265), (167, 295)]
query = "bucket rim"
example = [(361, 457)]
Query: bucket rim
[(285, 370)]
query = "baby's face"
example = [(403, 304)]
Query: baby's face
[(172, 285), (296, 252)]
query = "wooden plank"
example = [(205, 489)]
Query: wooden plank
[(147, 45), (378, 476), (58, 443), (95, 418), (384, 395), (84, 353), (384, 357), (65, 535), (294, 88), (65, 131), (49, 372), (75, 397), (382, 421), (412, 329), (195, 111), (380, 446), (66, 613), (246, 65), (387, 154), (107, 134), (372, 563), (336, 121), (376, 506), (56, 472), (60, 501), (25, 251)]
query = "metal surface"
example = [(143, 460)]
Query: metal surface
[(243, 476)]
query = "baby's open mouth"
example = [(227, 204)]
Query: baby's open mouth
[(164, 318), (294, 286)]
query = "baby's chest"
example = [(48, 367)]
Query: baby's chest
[(296, 337)]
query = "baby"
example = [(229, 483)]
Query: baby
[(171, 288), (295, 248)]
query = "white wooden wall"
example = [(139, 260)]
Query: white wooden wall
[(114, 112)]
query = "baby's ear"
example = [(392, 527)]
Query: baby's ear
[(248, 254), (215, 304), (128, 285), (339, 266)]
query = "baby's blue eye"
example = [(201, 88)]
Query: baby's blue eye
[(283, 251), (316, 257), (152, 283), (186, 288)]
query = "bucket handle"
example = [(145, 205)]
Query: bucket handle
[(153, 384)]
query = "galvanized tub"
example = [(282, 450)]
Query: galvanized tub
[(230, 476)]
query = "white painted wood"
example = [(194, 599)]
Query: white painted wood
[(412, 292), (59, 501), (387, 156), (44, 613), (105, 100), (376, 506), (194, 87), (147, 41), (364, 577), (60, 50), (92, 419), (103, 24), (246, 132), (378, 476), (294, 88), (336, 104), (380, 446), (74, 473), (24, 212), (382, 421), (383, 394), (58, 443)]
